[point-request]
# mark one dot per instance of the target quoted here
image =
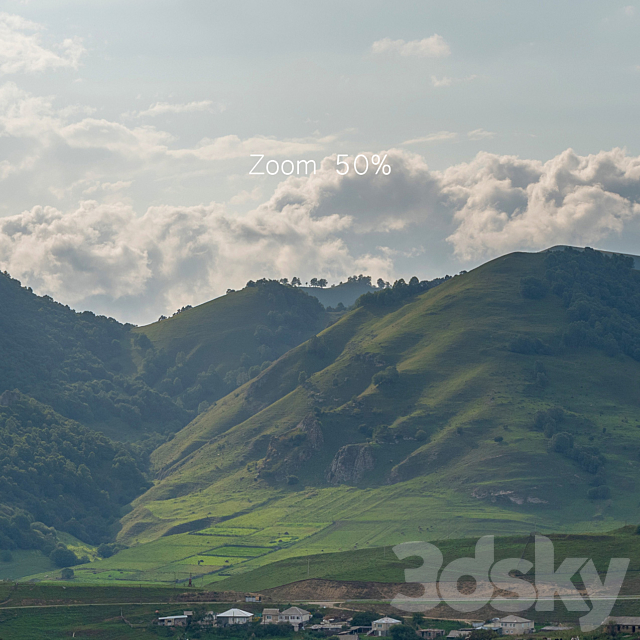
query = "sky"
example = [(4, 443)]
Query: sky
[(127, 131)]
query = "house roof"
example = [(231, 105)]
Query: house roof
[(514, 619), (554, 628), (235, 613), (623, 620), (295, 611), (386, 620), (172, 617), (270, 612)]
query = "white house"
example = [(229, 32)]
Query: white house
[(516, 626), (381, 627), (295, 616), (233, 616), (174, 621)]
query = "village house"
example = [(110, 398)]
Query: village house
[(459, 633), (270, 616), (175, 621), (430, 634), (233, 616), (328, 628), (295, 616), (381, 627), (253, 597), (516, 626), (622, 624)]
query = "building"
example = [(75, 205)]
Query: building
[(458, 633), (328, 628), (430, 634), (253, 597), (295, 616), (270, 616), (175, 621), (233, 616), (516, 626), (381, 627), (622, 624)]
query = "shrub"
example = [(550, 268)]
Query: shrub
[(533, 288), (292, 480), (63, 557), (67, 574)]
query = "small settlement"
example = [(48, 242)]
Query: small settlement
[(300, 619)]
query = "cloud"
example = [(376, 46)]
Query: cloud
[(162, 108), (504, 203), (21, 48), (113, 259), (480, 134), (440, 136), (73, 129), (433, 47), (232, 146), (446, 81)]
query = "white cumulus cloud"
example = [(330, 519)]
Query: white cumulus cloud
[(22, 50)]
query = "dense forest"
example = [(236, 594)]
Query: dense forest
[(55, 472)]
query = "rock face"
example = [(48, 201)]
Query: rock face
[(287, 453), (350, 464)]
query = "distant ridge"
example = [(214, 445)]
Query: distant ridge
[(346, 293), (561, 247)]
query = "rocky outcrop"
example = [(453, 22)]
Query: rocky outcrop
[(350, 464), (287, 453)]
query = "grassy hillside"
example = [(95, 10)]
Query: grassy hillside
[(485, 405), (203, 353)]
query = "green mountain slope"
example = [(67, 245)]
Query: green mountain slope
[(203, 353), (501, 398)]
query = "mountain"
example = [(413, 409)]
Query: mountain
[(499, 399), (203, 353), (75, 386), (345, 293)]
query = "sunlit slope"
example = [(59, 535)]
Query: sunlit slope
[(450, 447)]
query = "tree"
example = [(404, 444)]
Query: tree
[(417, 619), (295, 281), (313, 282), (381, 283), (533, 288), (403, 632), (63, 557), (67, 574), (284, 281), (365, 618)]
